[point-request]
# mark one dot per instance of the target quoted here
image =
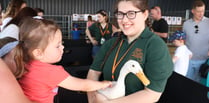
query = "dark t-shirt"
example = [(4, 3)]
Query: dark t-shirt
[(97, 33), (160, 26)]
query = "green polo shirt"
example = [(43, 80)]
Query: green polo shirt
[(97, 33), (149, 50)]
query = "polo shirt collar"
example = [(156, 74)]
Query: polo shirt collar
[(203, 18)]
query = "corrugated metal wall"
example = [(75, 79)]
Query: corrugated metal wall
[(67, 7), (176, 7), (60, 10)]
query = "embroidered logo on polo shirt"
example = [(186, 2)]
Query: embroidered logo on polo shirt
[(138, 54)]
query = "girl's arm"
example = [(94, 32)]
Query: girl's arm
[(78, 84)]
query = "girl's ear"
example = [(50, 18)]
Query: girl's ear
[(37, 54)]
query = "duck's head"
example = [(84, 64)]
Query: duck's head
[(134, 67)]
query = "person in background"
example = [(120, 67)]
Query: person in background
[(89, 22), (12, 10), (138, 43), (9, 73), (7, 53), (40, 12), (100, 31), (0, 16), (182, 54), (197, 39), (12, 27), (41, 44), (159, 26), (1, 19)]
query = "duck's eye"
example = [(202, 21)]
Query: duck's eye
[(133, 65)]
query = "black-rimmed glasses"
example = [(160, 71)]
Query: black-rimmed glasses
[(129, 14), (196, 29)]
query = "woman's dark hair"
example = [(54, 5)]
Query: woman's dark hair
[(13, 8), (38, 10), (25, 12), (4, 41), (89, 18), (103, 13), (140, 4)]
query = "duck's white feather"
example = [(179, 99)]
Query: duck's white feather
[(118, 88)]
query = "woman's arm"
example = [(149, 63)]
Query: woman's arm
[(87, 25), (143, 96), (93, 41), (93, 75), (11, 91), (163, 35)]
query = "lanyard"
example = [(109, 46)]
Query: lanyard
[(106, 29), (115, 64)]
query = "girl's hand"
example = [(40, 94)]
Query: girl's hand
[(106, 84)]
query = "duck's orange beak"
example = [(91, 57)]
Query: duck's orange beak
[(143, 78)]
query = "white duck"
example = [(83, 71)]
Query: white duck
[(118, 88)]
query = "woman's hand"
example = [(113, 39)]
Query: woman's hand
[(94, 42), (99, 98)]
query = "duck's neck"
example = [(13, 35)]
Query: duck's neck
[(121, 78)]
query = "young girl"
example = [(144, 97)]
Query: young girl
[(182, 53), (41, 44)]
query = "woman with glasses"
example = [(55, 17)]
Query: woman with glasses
[(100, 31), (137, 43)]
